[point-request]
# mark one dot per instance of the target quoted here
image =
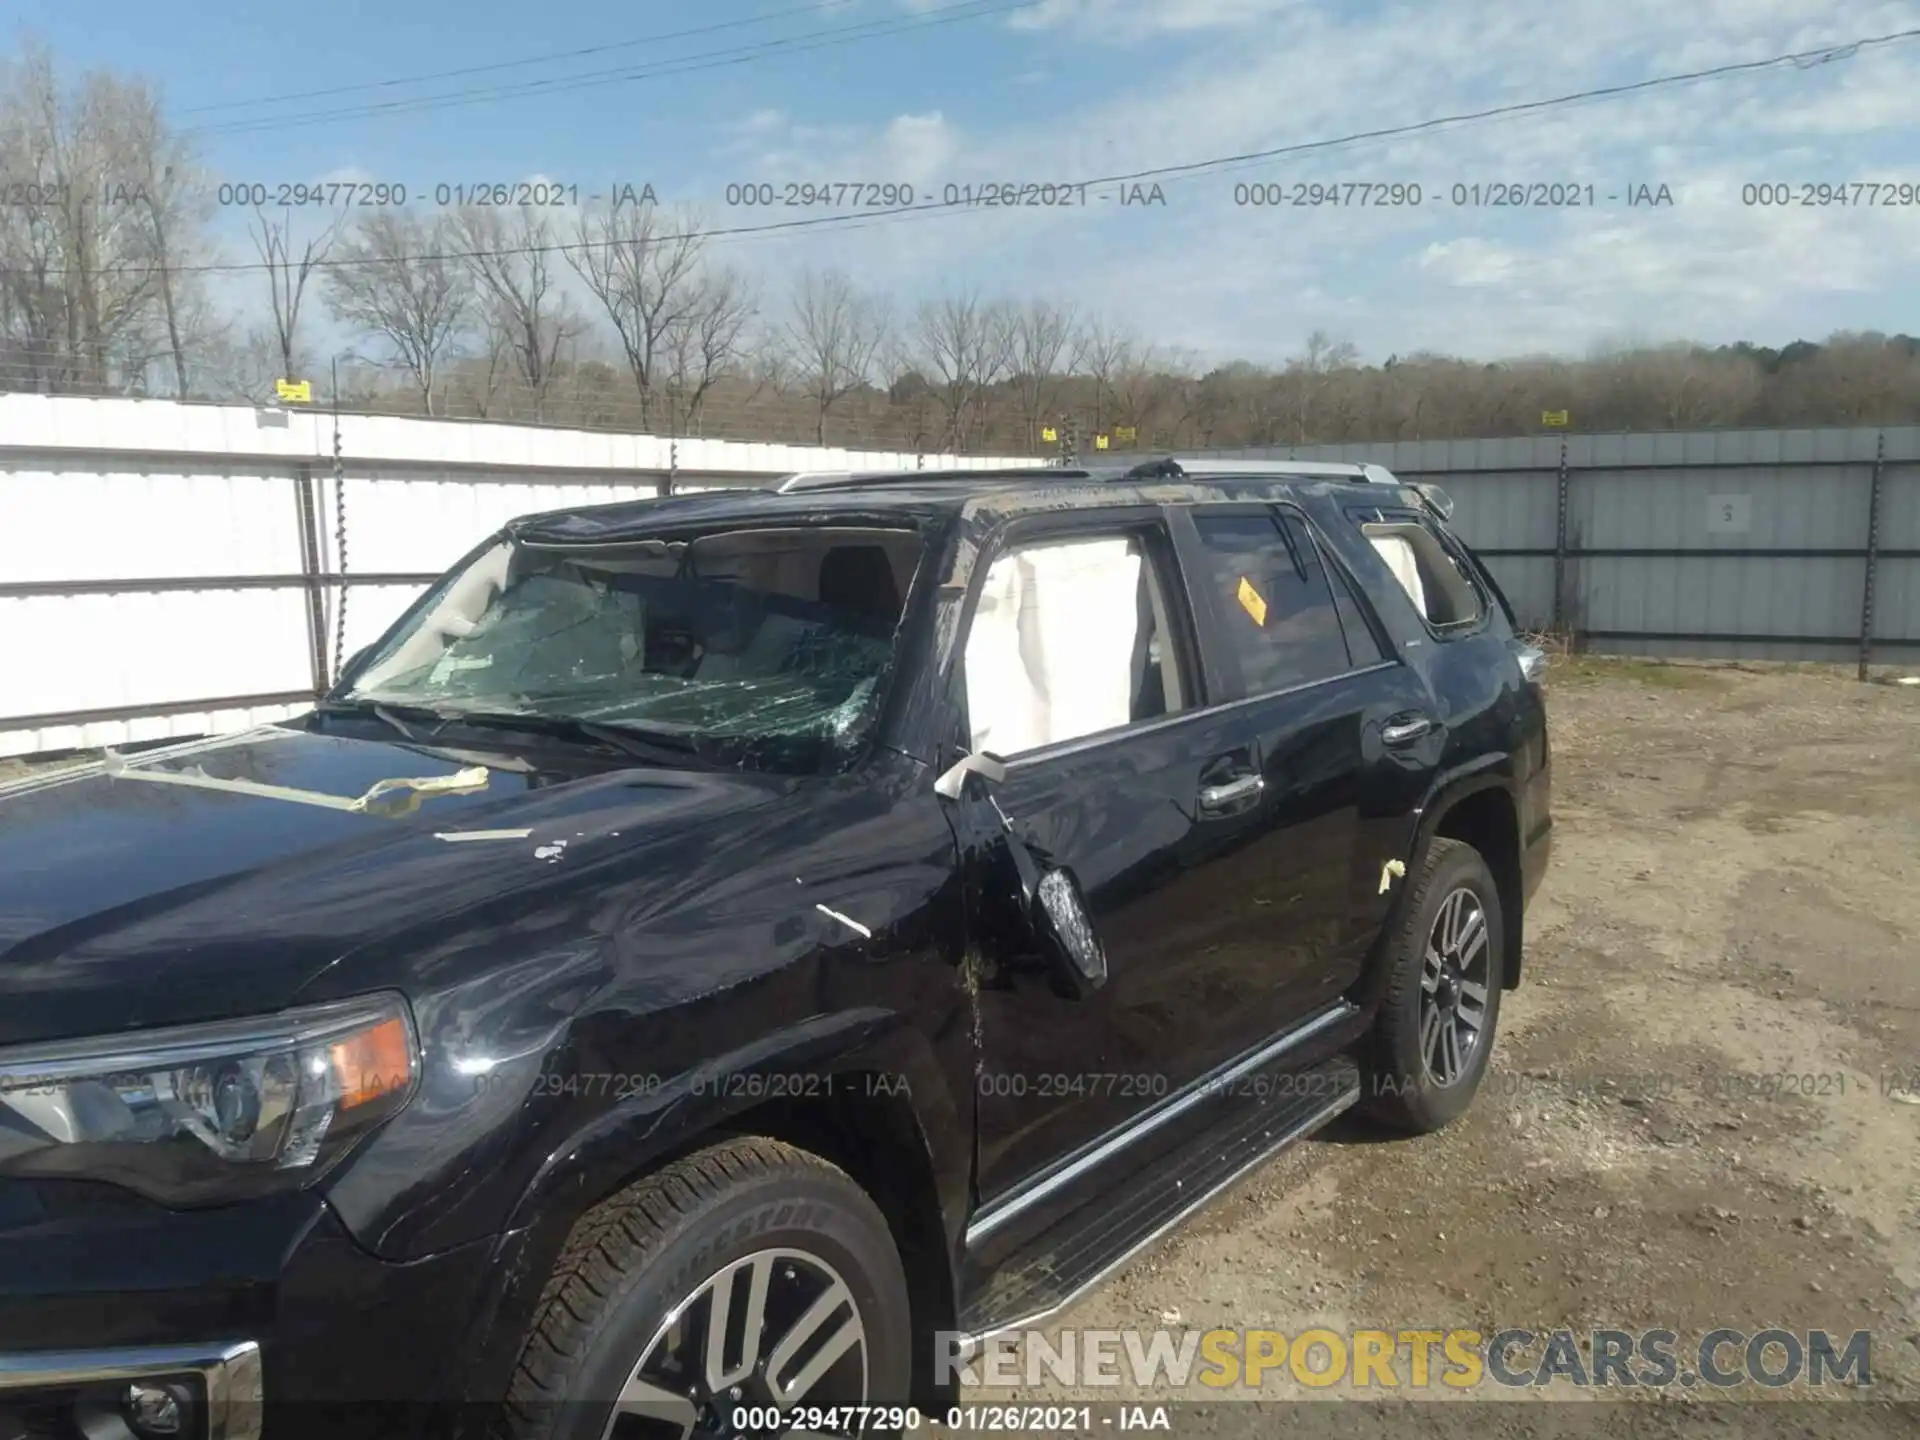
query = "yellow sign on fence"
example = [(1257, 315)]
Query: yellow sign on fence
[(1553, 417), (1099, 442), (300, 391), (1126, 434), (1049, 434)]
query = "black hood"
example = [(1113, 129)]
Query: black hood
[(127, 901)]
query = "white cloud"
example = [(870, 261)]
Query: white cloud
[(1469, 261), (1233, 76), (917, 147)]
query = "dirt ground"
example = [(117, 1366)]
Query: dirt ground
[(1734, 897)]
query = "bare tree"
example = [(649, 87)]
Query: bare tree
[(396, 279), (707, 344), (911, 400), (963, 344), (175, 198), (33, 294), (77, 271), (1105, 349), (533, 321), (834, 334), (645, 271), (1144, 388), (288, 275), (1307, 376), (1044, 337)]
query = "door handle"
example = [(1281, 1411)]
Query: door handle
[(1232, 793), (1401, 732)]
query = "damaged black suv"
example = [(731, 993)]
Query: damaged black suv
[(719, 957)]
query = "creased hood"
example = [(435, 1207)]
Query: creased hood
[(218, 878)]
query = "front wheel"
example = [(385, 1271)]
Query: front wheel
[(747, 1289), (1434, 1036)]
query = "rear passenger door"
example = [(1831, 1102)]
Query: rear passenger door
[(1339, 729)]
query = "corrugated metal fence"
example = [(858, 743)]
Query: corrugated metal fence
[(1741, 544)]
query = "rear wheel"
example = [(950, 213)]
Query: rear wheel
[(741, 1291), (1432, 1042)]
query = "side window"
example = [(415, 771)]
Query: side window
[(1274, 603), (1363, 647), (1437, 583), (1071, 638)]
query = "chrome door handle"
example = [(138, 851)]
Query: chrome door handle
[(1231, 793), (1406, 730)]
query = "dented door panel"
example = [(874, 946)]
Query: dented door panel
[(1122, 814)]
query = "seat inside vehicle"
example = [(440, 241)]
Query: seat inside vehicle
[(858, 580)]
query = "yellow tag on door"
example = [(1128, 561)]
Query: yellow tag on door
[(1251, 602)]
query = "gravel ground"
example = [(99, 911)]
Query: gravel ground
[(1733, 898)]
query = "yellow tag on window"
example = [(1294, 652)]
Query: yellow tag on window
[(1251, 601)]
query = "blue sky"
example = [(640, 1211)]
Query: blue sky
[(1069, 89)]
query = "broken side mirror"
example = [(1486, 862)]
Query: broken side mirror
[(1064, 928), (1050, 896)]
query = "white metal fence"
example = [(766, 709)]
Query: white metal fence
[(170, 570)]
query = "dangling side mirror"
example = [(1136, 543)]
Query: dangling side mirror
[(1050, 895), (1065, 932)]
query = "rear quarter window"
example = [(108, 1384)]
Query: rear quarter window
[(1439, 582)]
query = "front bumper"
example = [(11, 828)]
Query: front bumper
[(210, 1391), (263, 1308)]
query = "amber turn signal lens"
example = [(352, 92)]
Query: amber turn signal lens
[(374, 1064)]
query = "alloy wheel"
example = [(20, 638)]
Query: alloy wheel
[(771, 1331), (1454, 979)]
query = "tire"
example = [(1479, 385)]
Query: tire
[(665, 1243), (1402, 1090)]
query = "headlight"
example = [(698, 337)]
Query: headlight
[(209, 1113)]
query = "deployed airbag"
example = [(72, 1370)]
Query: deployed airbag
[(1050, 654)]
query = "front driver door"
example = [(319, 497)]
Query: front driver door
[(1082, 670)]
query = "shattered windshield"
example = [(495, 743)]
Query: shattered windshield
[(760, 646)]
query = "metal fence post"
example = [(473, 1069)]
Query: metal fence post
[(309, 519), (1560, 543), (1873, 553)]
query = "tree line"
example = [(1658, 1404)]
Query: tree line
[(623, 315)]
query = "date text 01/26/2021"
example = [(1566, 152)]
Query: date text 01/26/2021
[(978, 1419), (904, 195), (1460, 195), (445, 194)]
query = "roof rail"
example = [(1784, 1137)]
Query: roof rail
[(1199, 466), (861, 479)]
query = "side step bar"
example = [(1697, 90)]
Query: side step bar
[(1073, 1257)]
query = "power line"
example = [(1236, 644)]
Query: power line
[(1802, 60), (401, 81), (593, 79)]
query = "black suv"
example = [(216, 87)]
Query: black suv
[(718, 957)]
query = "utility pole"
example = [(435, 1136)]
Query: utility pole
[(1065, 432)]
